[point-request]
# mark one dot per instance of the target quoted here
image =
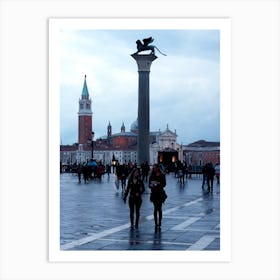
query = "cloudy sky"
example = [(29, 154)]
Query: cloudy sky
[(184, 85)]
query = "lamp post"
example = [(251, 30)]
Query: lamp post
[(92, 137), (114, 163)]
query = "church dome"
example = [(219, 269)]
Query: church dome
[(134, 126)]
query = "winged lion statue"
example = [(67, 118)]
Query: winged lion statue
[(145, 46)]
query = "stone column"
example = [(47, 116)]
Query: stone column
[(144, 63)]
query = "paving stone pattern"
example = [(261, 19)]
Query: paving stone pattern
[(93, 216)]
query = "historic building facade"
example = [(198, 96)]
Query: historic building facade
[(122, 145), (201, 152)]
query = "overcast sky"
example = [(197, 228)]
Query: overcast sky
[(184, 85)]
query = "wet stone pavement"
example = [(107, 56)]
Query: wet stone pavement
[(93, 216)]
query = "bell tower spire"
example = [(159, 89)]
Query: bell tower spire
[(122, 128), (85, 94), (85, 116), (109, 130)]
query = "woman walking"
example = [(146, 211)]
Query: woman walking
[(135, 188), (157, 183)]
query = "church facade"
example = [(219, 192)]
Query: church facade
[(123, 144)]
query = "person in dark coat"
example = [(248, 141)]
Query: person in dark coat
[(79, 172), (180, 172), (121, 172), (204, 175), (108, 170), (157, 182), (210, 173), (135, 188), (145, 168), (85, 171)]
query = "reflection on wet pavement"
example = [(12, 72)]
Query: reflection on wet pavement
[(94, 217)]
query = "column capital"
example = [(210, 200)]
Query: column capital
[(144, 61)]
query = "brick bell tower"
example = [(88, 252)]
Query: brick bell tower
[(85, 117)]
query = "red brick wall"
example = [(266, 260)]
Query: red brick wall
[(200, 158), (123, 141), (85, 129)]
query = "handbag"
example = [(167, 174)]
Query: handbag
[(152, 197), (160, 196), (163, 196)]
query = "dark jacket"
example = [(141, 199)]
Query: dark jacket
[(134, 190), (210, 171), (156, 184)]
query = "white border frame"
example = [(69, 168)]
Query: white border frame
[(255, 100), (221, 24)]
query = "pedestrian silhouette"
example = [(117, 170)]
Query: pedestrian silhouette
[(157, 182), (79, 172), (204, 175), (85, 171), (145, 168), (135, 188), (180, 173), (210, 173), (217, 171)]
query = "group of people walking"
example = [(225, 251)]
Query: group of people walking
[(132, 181), (123, 170), (92, 172), (135, 188)]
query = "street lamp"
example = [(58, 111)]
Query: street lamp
[(114, 163)]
